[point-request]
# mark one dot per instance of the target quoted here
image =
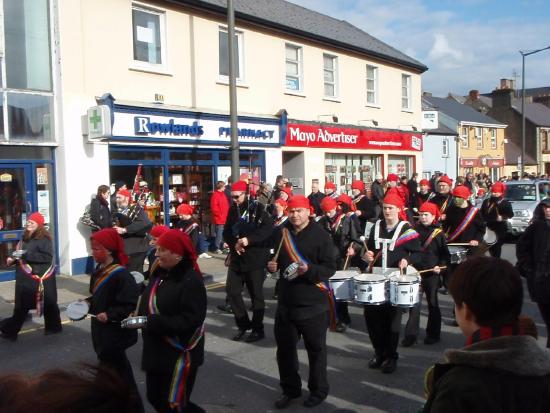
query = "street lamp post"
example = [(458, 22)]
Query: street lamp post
[(523, 55), (235, 170)]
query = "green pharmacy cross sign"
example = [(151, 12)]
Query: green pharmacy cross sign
[(99, 123)]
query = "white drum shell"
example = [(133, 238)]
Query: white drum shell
[(370, 289), (458, 254), (404, 290), (342, 285)]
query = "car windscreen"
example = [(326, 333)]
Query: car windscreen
[(521, 192)]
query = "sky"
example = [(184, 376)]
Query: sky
[(466, 44)]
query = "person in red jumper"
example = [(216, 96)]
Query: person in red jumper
[(219, 205)]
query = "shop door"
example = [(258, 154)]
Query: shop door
[(15, 203)]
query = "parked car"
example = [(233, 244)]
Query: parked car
[(524, 197)]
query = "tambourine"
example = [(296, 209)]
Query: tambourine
[(133, 323), (291, 271), (78, 310), (17, 254)]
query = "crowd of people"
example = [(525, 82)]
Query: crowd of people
[(430, 228)]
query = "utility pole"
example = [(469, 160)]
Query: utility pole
[(234, 146)]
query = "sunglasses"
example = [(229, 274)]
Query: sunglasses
[(236, 196)]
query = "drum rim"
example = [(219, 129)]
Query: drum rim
[(79, 304), (416, 279), (382, 277)]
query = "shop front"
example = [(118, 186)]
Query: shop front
[(342, 154), (483, 164)]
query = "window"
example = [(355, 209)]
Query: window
[(224, 54), (544, 141), (405, 91), (294, 68), (330, 75), (493, 138), (445, 148), (479, 138), (464, 138), (372, 85), (148, 28)]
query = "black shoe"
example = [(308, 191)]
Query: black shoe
[(443, 291), (284, 401), (408, 341), (375, 362), (341, 327), (239, 336), (313, 401), (50, 332), (431, 340), (9, 337), (226, 308), (389, 366), (255, 336)]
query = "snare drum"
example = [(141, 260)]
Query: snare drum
[(342, 285), (77, 310), (490, 237), (458, 254), (133, 323), (370, 289), (404, 290)]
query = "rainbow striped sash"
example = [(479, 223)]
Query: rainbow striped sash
[(406, 237), (180, 375), (295, 256), (39, 295), (444, 206), (105, 275), (463, 225), (154, 267)]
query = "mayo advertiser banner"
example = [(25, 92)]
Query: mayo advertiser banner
[(316, 136)]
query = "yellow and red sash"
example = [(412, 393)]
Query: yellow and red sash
[(358, 199), (337, 222), (101, 278), (295, 256), (444, 206), (432, 236), (470, 215), (176, 396), (154, 267)]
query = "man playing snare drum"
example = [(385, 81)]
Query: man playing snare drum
[(403, 249), (496, 210)]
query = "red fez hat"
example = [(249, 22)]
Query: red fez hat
[(239, 186), (330, 185), (462, 191), (184, 209), (498, 187), (179, 243), (358, 185), (109, 238), (124, 193), (158, 230), (446, 180), (298, 201), (328, 204), (424, 182), (392, 178), (481, 192), (431, 208), (287, 190), (346, 199), (281, 202), (36, 217), (394, 199)]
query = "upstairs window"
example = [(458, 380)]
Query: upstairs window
[(148, 29), (372, 85), (330, 75), (293, 64), (479, 138), (493, 138), (406, 92), (224, 54)]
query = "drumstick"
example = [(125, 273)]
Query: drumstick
[(364, 241), (137, 305), (454, 244), (278, 250), (431, 269)]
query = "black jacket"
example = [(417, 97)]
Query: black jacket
[(410, 250), (181, 301), (301, 298), (100, 213), (436, 252), (377, 191), (491, 208), (443, 202), (455, 216), (135, 238), (315, 199), (348, 232), (257, 226), (533, 254), (370, 210), (182, 225), (118, 298)]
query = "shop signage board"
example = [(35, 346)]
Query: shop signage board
[(317, 136)]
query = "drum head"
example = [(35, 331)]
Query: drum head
[(369, 277), (454, 249), (404, 279), (344, 275), (78, 310), (138, 277), (490, 237)]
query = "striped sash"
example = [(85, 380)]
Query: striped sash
[(101, 278), (463, 225)]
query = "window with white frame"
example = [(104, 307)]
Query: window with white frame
[(293, 64), (224, 54), (464, 138), (330, 75), (479, 138), (545, 140), (445, 148), (493, 138), (148, 30), (405, 92), (372, 85)]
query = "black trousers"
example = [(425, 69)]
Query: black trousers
[(119, 362), (342, 312), (254, 281), (430, 284), (383, 325), (544, 309), (135, 261), (500, 230), (314, 332), (158, 389)]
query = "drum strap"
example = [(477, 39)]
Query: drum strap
[(154, 267), (101, 278), (337, 222), (432, 236), (190, 228), (295, 256), (470, 215), (180, 375), (396, 240), (358, 199)]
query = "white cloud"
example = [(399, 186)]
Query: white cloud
[(442, 50)]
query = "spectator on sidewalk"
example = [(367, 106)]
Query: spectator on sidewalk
[(100, 212), (219, 207)]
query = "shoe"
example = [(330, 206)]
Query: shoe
[(226, 308), (313, 401), (408, 341), (341, 327), (375, 362), (255, 336), (205, 255), (443, 291), (9, 337), (239, 336), (431, 340), (284, 401), (50, 332), (219, 252), (389, 366)]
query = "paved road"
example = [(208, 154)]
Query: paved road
[(240, 377)]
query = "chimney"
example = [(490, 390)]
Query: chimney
[(502, 98), (473, 95), (427, 94), (507, 84)]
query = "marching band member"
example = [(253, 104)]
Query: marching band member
[(280, 217), (365, 209), (402, 191), (384, 321), (330, 189), (435, 254), (496, 211), (173, 338), (443, 197), (155, 234), (248, 232), (343, 229), (307, 263), (423, 195)]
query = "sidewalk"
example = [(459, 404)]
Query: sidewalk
[(71, 288)]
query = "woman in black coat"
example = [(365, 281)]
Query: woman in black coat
[(35, 285), (99, 208), (175, 306)]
